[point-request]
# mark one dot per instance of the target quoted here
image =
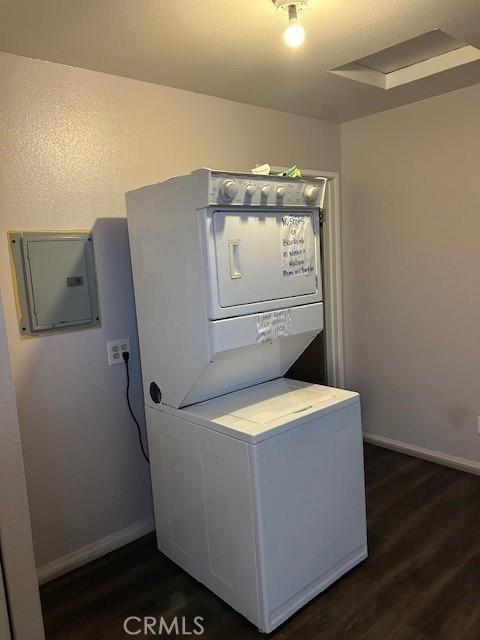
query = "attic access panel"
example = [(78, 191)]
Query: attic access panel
[(410, 52), (425, 55), (55, 279)]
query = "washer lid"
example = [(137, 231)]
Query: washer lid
[(264, 410), (285, 401)]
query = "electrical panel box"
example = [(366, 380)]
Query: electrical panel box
[(55, 280)]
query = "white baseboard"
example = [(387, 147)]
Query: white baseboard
[(463, 464), (93, 551)]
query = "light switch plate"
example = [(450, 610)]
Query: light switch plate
[(115, 348)]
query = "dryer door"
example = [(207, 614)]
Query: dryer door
[(265, 259)]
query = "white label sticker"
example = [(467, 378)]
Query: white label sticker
[(298, 246), (273, 325)]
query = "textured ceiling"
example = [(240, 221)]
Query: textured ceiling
[(234, 48)]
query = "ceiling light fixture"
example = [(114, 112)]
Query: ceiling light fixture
[(294, 34)]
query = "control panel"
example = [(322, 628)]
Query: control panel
[(255, 190)]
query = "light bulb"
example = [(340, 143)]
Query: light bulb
[(294, 34)]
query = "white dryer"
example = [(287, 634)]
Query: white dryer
[(257, 480)]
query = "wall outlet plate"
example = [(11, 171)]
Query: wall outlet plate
[(115, 348)]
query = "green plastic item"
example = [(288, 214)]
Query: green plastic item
[(291, 172)]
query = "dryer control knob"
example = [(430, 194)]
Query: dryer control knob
[(229, 189), (265, 191), (250, 190), (280, 192), (311, 193)]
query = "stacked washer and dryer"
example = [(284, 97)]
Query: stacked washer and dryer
[(257, 480)]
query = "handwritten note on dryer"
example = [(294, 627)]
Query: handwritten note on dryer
[(298, 246), (273, 325)]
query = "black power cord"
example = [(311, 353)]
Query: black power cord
[(126, 358)]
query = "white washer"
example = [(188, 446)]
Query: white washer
[(259, 494)]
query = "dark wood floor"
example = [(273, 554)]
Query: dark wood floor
[(421, 581)]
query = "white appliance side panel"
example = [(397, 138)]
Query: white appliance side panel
[(169, 288), (310, 504), (203, 507)]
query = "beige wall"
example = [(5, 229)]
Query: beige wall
[(411, 234), (73, 141)]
